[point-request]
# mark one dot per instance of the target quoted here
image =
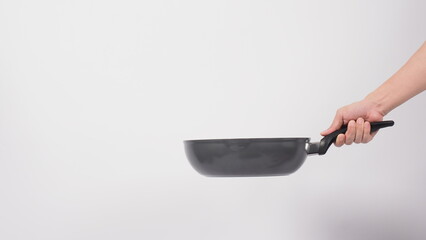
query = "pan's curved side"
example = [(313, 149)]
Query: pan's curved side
[(246, 157), (194, 159)]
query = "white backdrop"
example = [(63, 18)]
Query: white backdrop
[(97, 96)]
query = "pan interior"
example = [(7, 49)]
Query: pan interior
[(247, 139)]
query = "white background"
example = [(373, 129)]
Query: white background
[(97, 96)]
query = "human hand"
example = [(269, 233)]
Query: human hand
[(357, 116)]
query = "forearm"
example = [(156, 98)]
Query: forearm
[(409, 81)]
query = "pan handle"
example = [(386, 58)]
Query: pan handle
[(326, 142)]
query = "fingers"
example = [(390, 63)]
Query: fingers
[(350, 133), (367, 135), (336, 124), (359, 130), (340, 140)]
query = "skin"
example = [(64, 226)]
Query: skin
[(406, 83)]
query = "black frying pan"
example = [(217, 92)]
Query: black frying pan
[(258, 156)]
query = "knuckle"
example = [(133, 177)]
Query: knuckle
[(338, 112)]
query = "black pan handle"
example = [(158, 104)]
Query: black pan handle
[(326, 142)]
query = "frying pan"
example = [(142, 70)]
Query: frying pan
[(247, 157)]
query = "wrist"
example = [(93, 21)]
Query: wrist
[(378, 103)]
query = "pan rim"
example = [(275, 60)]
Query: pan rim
[(305, 139)]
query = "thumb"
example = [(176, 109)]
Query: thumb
[(336, 124)]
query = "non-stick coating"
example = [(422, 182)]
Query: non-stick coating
[(246, 157)]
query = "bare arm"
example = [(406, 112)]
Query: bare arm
[(406, 83), (409, 81)]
